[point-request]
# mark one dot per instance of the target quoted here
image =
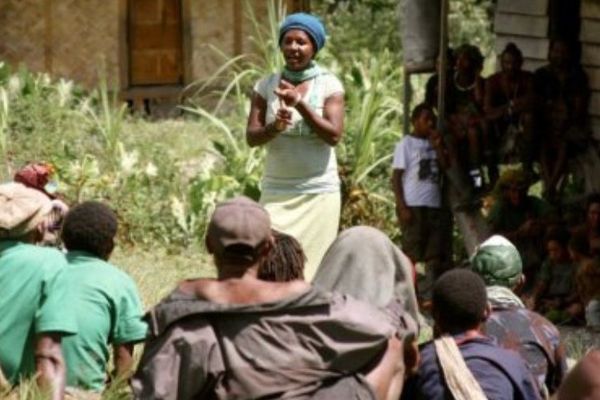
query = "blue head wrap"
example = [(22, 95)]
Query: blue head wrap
[(307, 23)]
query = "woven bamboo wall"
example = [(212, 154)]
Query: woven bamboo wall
[(85, 40), (211, 25), (79, 39), (217, 23), (67, 38), (22, 29)]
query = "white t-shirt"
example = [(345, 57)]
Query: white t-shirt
[(421, 177), (298, 161)]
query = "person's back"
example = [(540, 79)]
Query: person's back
[(35, 305), (108, 311), (28, 273), (499, 372), (510, 324), (105, 299), (535, 338), (239, 337), (459, 309), (291, 346)]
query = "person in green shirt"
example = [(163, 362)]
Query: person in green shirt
[(106, 300), (521, 218), (35, 306)]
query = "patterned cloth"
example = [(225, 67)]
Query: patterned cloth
[(537, 340)]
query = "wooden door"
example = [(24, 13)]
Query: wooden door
[(155, 42)]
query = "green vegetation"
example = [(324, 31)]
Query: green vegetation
[(165, 177)]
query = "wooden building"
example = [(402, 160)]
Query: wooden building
[(532, 24), (147, 48)]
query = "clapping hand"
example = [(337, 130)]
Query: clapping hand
[(288, 94), (283, 119)]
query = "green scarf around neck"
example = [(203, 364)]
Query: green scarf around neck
[(296, 77)]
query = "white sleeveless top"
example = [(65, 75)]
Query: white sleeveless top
[(299, 161)]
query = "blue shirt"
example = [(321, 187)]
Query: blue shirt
[(502, 374)]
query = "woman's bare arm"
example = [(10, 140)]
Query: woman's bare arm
[(257, 131), (330, 126)]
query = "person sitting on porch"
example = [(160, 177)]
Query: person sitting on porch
[(587, 279), (555, 293), (465, 113), (508, 109), (520, 218), (563, 93), (591, 227)]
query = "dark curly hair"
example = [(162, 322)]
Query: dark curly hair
[(418, 110), (593, 198), (285, 262), (90, 226), (459, 301), (472, 53), (558, 234), (513, 50)]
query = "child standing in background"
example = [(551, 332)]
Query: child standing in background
[(416, 184)]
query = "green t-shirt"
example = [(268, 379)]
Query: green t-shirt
[(33, 300), (505, 218), (109, 311), (560, 278)]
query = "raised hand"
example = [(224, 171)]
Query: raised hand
[(288, 93), (283, 119)]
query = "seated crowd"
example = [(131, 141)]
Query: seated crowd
[(260, 331), (538, 120)]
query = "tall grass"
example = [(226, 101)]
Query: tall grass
[(107, 118), (4, 109)]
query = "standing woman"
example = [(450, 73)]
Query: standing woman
[(298, 114)]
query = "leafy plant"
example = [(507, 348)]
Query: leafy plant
[(107, 118)]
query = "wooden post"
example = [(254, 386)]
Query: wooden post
[(462, 199), (407, 100)]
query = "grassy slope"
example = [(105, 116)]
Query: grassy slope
[(156, 271)]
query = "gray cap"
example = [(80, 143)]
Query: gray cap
[(239, 221)]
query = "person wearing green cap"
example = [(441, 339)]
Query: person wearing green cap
[(513, 326)]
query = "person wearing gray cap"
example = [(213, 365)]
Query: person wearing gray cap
[(35, 310), (239, 337)]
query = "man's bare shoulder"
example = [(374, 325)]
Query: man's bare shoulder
[(242, 291)]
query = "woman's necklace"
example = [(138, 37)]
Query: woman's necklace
[(507, 90), (463, 88)]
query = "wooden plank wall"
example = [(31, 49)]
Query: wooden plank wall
[(525, 23), (224, 25), (590, 57)]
